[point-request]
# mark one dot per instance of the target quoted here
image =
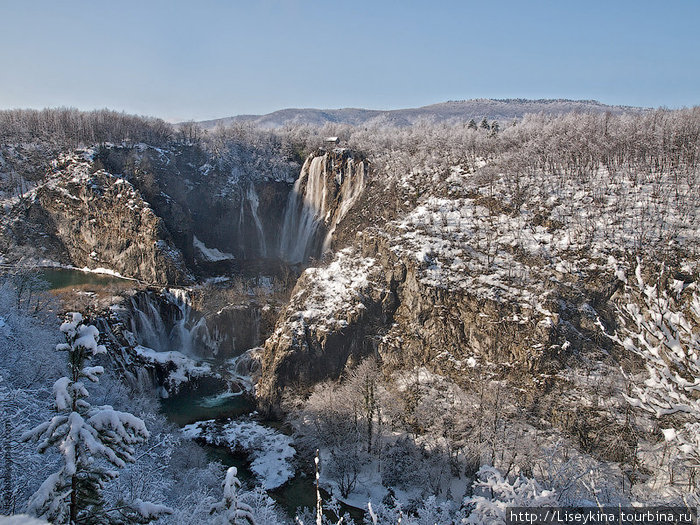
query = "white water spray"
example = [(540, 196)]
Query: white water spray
[(254, 203)]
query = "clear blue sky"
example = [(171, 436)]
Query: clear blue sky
[(207, 59)]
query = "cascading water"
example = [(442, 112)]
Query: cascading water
[(146, 323), (250, 204), (169, 325), (181, 336), (351, 182), (167, 321), (304, 210), (317, 203), (254, 204)]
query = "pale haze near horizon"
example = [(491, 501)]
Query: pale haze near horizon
[(181, 61)]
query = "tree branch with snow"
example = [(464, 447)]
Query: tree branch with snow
[(660, 323)]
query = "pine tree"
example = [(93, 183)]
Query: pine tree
[(233, 511), (90, 439), (471, 124)]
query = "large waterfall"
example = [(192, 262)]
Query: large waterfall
[(305, 208), (328, 186)]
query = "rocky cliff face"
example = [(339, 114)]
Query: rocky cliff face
[(329, 322), (93, 219), (432, 290), (165, 216), (389, 311), (170, 216), (211, 199)]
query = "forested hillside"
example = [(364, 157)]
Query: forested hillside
[(450, 316)]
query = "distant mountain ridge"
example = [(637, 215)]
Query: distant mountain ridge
[(454, 110)]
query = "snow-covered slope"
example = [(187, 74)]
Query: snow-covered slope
[(511, 268)]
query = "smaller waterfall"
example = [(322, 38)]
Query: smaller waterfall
[(249, 206), (168, 321), (254, 204), (190, 333), (147, 323), (180, 337), (170, 324), (141, 380)]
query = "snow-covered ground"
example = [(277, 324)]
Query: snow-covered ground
[(210, 254), (270, 451)]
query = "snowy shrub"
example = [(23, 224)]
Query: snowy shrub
[(381, 513), (493, 494), (661, 324), (428, 512), (263, 507), (435, 511)]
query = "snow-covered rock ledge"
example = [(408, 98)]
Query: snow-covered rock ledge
[(177, 368), (270, 451)]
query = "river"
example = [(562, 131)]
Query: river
[(207, 403), (59, 278), (297, 493)]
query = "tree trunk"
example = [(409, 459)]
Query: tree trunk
[(73, 499), (7, 502)]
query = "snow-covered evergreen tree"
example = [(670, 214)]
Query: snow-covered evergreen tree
[(230, 509), (90, 439)]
